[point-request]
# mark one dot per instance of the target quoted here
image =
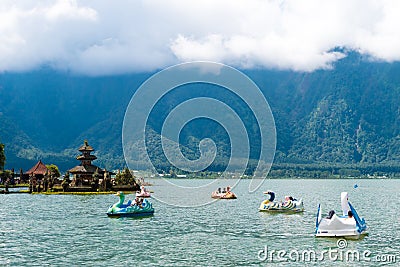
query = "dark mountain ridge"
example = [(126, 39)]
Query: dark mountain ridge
[(348, 115)]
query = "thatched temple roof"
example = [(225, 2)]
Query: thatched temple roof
[(38, 169)]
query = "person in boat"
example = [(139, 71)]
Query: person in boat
[(140, 202), (290, 199), (228, 191), (350, 215), (135, 202), (330, 214), (219, 190), (6, 184), (224, 190), (143, 189)]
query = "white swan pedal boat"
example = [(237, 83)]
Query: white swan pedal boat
[(349, 224), (289, 205)]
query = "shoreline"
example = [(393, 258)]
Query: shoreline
[(65, 193), (276, 178)]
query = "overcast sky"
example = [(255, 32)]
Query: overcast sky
[(99, 37)]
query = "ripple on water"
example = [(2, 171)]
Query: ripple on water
[(67, 230)]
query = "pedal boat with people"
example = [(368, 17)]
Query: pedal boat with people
[(120, 209), (349, 224), (143, 192), (289, 205), (228, 194)]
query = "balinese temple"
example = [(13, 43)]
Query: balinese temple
[(38, 171), (83, 173)]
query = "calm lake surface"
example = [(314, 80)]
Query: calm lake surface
[(70, 230)]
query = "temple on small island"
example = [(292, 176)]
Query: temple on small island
[(83, 173), (37, 172), (39, 177)]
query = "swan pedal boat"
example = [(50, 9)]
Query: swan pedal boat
[(341, 226), (120, 209), (269, 205)]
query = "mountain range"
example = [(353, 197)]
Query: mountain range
[(349, 114)]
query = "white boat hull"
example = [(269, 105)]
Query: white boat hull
[(338, 227)]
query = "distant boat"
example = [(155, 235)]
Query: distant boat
[(223, 194), (289, 205), (143, 192)]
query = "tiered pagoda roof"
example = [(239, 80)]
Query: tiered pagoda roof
[(86, 166), (85, 169), (86, 147), (86, 157)]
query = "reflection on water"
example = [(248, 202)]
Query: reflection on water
[(65, 230)]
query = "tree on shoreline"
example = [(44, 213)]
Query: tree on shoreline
[(2, 157), (125, 178), (54, 171)]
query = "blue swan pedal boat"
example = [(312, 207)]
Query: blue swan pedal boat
[(289, 205), (120, 209), (349, 224)]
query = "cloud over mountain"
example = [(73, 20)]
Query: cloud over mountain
[(102, 37)]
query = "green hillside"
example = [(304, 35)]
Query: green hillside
[(338, 120)]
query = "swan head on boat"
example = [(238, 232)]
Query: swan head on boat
[(271, 195), (121, 195), (344, 197)]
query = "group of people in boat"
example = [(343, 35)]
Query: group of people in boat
[(332, 212), (224, 193), (272, 197), (288, 204), (224, 190), (143, 192), (288, 199), (137, 202)]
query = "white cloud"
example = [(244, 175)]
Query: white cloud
[(101, 37)]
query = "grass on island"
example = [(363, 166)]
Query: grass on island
[(74, 193), (57, 190), (14, 186)]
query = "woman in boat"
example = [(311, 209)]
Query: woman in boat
[(143, 190), (135, 202), (350, 215), (140, 202)]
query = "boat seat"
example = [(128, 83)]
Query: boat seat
[(129, 202)]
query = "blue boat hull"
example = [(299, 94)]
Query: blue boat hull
[(120, 209), (130, 214)]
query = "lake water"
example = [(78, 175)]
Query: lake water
[(70, 230)]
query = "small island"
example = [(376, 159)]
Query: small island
[(85, 178)]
